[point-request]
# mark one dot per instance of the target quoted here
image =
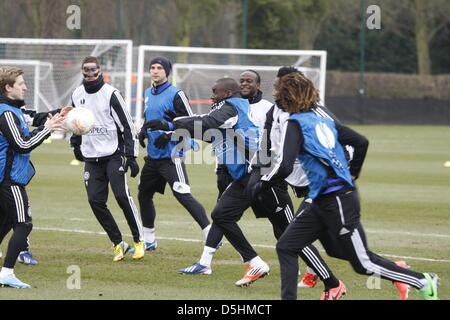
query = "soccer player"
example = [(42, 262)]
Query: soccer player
[(275, 127), (164, 164), (277, 197), (250, 89), (233, 143), (275, 203), (16, 170), (333, 201), (276, 206), (34, 119), (25, 255), (108, 150)]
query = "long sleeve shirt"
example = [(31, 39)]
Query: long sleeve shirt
[(293, 145)]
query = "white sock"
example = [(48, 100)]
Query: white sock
[(149, 234), (424, 281), (257, 261), (206, 230), (6, 272), (207, 256), (309, 270)]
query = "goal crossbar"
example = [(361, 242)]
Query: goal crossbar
[(221, 51), (78, 42)]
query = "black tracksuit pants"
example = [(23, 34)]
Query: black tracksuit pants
[(97, 177), (274, 203), (15, 214), (5, 228), (337, 214), (223, 179), (225, 215), (154, 176)]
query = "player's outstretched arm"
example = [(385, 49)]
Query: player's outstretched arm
[(55, 122), (12, 131), (37, 119), (223, 114)]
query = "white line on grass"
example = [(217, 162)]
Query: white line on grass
[(408, 233), (196, 240), (369, 230)]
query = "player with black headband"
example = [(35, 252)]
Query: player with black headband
[(108, 150)]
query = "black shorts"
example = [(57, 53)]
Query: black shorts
[(157, 172)]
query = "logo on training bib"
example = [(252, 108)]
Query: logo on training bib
[(325, 135), (98, 131)]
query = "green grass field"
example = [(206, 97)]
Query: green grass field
[(405, 192)]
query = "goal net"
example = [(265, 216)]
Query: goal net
[(52, 67), (196, 69), (37, 75)]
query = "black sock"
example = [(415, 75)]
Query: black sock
[(331, 282), (16, 243)]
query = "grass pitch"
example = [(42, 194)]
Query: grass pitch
[(405, 198)]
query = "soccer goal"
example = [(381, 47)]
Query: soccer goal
[(196, 69), (53, 66), (37, 74)]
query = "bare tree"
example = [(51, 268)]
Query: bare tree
[(310, 16), (423, 18), (430, 18)]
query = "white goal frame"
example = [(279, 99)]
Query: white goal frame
[(37, 71), (144, 48), (94, 42)]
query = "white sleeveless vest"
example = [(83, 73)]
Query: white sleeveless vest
[(297, 178), (258, 112), (102, 140)]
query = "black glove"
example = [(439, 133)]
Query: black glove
[(162, 141), (156, 125), (169, 115), (39, 118), (301, 192), (142, 136), (77, 153), (133, 165), (258, 188), (255, 177)]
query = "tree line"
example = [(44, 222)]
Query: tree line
[(414, 36)]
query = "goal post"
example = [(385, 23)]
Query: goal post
[(197, 78), (56, 66), (36, 71), (195, 69)]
